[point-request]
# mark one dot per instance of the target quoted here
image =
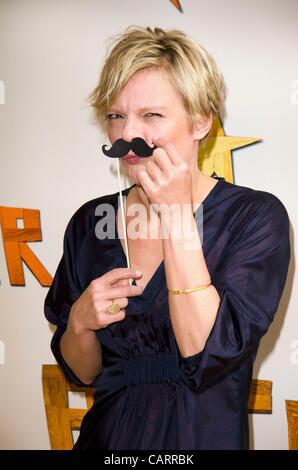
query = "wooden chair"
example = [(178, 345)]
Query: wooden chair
[(62, 420), (292, 417), (260, 398)]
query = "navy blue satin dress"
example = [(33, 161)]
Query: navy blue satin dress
[(148, 396)]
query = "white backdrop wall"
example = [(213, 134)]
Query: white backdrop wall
[(50, 54)]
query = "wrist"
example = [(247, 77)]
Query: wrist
[(74, 326)]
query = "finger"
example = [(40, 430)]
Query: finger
[(146, 181), (122, 282), (125, 282), (163, 161), (170, 150), (122, 301), (154, 171), (115, 275), (125, 291), (136, 173), (114, 317)]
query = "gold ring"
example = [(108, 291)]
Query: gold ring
[(114, 308)]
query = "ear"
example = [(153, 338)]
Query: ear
[(202, 127)]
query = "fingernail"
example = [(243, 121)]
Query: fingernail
[(138, 273)]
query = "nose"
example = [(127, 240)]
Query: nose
[(131, 129)]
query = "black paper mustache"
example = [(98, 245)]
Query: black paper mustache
[(121, 147)]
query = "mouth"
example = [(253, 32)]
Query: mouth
[(131, 157), (130, 154)]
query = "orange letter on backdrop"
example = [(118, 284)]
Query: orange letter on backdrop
[(15, 246)]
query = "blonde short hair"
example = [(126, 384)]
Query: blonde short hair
[(192, 69)]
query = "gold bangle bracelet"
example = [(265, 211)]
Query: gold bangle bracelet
[(187, 291)]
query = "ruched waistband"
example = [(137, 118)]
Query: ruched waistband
[(153, 368)]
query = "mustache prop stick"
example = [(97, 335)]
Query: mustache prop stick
[(118, 150)]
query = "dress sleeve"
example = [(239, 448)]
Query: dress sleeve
[(250, 279), (64, 291)]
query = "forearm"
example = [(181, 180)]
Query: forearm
[(82, 352), (192, 314)]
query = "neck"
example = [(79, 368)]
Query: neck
[(200, 187)]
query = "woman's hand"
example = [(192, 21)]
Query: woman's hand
[(90, 311), (166, 178)]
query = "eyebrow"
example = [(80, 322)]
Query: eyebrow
[(142, 110), (153, 106)]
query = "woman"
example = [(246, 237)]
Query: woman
[(171, 371)]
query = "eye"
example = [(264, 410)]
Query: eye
[(153, 114), (112, 116)]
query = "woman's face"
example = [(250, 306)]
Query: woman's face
[(149, 106)]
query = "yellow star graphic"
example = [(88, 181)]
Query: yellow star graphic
[(177, 4), (215, 157)]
